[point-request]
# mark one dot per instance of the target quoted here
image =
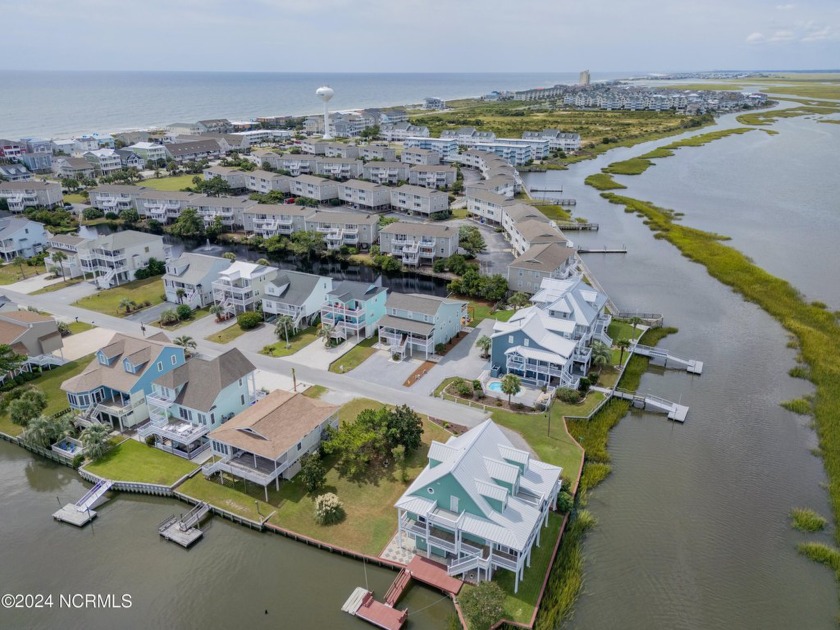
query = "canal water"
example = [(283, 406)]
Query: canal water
[(693, 524), (229, 579)]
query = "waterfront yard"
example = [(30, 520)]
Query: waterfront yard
[(371, 518), (479, 311), (296, 342), (353, 358), (139, 291), (133, 461), (170, 184), (50, 383)]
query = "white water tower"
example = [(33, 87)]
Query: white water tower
[(325, 93)]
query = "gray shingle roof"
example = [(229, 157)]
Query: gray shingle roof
[(420, 229), (299, 286)]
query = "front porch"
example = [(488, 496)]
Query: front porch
[(251, 467)]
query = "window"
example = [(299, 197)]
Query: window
[(240, 382), (183, 413), (430, 490), (146, 249), (174, 359), (299, 445), (510, 338), (525, 342), (160, 366), (242, 399)]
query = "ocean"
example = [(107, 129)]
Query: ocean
[(63, 104)]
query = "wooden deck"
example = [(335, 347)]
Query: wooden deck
[(70, 514), (433, 574)]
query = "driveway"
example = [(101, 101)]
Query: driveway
[(84, 343), (33, 283), (463, 360), (381, 369), (317, 355)]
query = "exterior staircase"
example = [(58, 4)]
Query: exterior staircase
[(93, 496)]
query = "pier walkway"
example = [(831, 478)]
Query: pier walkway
[(81, 512), (649, 402), (184, 530), (663, 358)]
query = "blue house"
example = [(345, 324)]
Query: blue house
[(193, 399), (550, 343), (353, 309), (420, 322), (113, 387)]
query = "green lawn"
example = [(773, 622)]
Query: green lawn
[(9, 274), (58, 286), (50, 383), (555, 213), (170, 184), (371, 518), (133, 461), (354, 357), (622, 330), (296, 342), (74, 198), (79, 327), (108, 301), (197, 314), (460, 213), (228, 334), (315, 391), (520, 606), (479, 311)]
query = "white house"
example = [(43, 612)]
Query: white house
[(104, 161), (113, 259), (546, 260), (189, 278), (149, 151), (21, 237), (241, 286)]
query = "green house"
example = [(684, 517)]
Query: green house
[(479, 504)]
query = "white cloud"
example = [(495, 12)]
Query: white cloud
[(785, 7), (756, 38)]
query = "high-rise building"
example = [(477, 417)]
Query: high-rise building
[(584, 78)]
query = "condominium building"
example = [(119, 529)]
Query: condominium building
[(72, 168), (377, 151), (390, 173), (104, 161), (161, 205), (67, 245), (400, 131), (546, 260), (149, 151), (265, 182), (445, 147), (193, 151), (432, 176), (365, 195), (345, 228), (314, 187), (268, 220), (338, 167), (291, 164), (31, 194), (229, 209), (416, 244), (487, 206), (414, 155), (417, 200)]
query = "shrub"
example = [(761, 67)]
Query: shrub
[(183, 311), (477, 385), (111, 216), (328, 509), (566, 395), (78, 460), (565, 502), (150, 440), (483, 605), (93, 213), (584, 385), (464, 389), (169, 317), (439, 348), (439, 265), (249, 320)]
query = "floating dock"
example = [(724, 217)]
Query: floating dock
[(81, 512), (361, 604), (663, 358), (649, 402), (184, 530)]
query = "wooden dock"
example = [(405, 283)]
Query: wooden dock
[(70, 514), (663, 358), (603, 250), (361, 604), (184, 530), (577, 227), (649, 402)]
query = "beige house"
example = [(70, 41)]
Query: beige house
[(33, 335)]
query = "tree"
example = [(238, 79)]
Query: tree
[(520, 299), (483, 343), (169, 317), (42, 431), (130, 216), (20, 261), (214, 187), (229, 256), (183, 311), (282, 326), (325, 333), (622, 344), (312, 473), (635, 320), (264, 262), (370, 133), (511, 385), (483, 605), (58, 258), (180, 293), (126, 304), (215, 228), (95, 440), (10, 361), (188, 225), (307, 244), (601, 354), (328, 509), (494, 288), (186, 342), (28, 406), (399, 455), (470, 240), (404, 427)]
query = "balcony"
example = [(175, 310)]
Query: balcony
[(248, 466)]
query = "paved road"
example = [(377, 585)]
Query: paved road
[(60, 306)]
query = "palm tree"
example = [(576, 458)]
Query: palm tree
[(325, 332), (519, 300), (623, 344), (483, 343), (511, 385), (229, 255), (180, 293), (43, 431), (635, 321), (186, 342), (95, 440), (125, 304), (58, 258), (601, 354), (20, 261), (264, 262), (284, 322)]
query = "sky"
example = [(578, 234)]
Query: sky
[(420, 35)]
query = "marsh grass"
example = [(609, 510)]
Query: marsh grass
[(822, 553), (807, 520), (602, 181), (800, 406)]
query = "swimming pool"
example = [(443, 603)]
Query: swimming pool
[(495, 386)]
